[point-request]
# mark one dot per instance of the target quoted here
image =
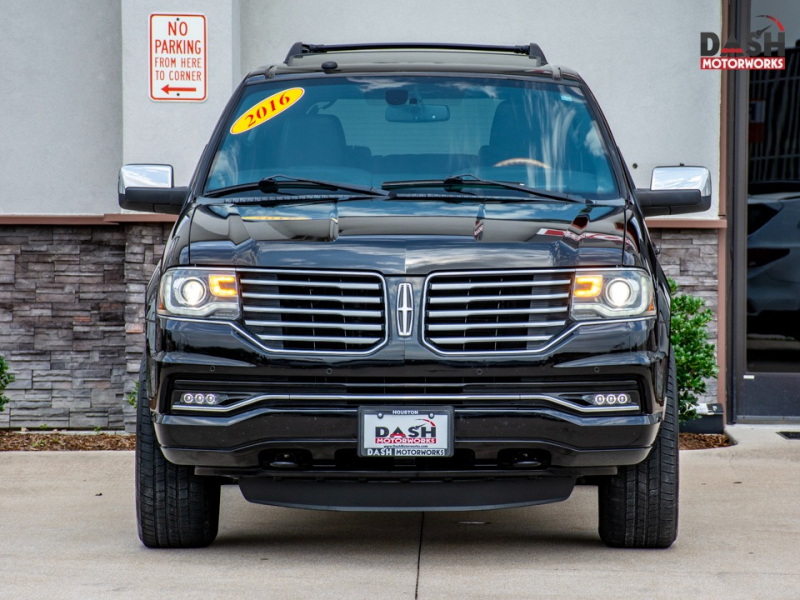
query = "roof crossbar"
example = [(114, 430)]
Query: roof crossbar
[(299, 48)]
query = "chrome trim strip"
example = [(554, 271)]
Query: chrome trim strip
[(473, 284), (525, 325), (477, 339), (318, 338), (465, 299), (333, 284), (343, 299), (313, 311), (317, 325), (415, 398), (493, 311)]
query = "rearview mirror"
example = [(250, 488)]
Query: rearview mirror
[(149, 188), (675, 191), (417, 113)]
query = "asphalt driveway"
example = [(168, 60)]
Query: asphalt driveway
[(67, 530)]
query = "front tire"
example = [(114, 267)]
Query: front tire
[(639, 505), (174, 507)]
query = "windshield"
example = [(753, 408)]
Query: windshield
[(373, 129)]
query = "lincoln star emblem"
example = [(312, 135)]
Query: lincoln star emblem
[(405, 310)]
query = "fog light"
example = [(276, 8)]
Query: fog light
[(610, 399), (200, 398)]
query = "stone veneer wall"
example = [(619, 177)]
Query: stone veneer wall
[(72, 313), (67, 296), (689, 256)]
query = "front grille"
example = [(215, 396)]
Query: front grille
[(314, 311), (502, 311)]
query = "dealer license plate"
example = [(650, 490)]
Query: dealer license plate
[(405, 432)]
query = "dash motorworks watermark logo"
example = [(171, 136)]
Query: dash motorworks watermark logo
[(764, 48)]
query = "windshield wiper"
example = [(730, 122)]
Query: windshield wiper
[(275, 183), (456, 182)]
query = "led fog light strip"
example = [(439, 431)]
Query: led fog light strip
[(415, 398)]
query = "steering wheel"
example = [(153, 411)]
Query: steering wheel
[(513, 162)]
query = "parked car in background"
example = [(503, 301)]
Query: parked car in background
[(773, 259)]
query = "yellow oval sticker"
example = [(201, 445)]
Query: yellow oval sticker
[(266, 109)]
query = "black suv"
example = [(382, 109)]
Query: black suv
[(409, 277)]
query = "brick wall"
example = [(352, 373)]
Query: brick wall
[(145, 245), (689, 256), (72, 313), (66, 294)]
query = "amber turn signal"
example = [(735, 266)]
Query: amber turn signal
[(588, 286), (223, 286)]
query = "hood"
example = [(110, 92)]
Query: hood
[(409, 236)]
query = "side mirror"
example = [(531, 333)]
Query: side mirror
[(676, 191), (149, 188)]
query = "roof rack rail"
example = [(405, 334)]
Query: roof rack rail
[(299, 48)]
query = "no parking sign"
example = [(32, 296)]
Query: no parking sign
[(178, 63)]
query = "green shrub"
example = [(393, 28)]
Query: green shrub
[(694, 355), (133, 395), (5, 379)]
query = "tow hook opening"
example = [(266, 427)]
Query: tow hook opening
[(524, 459), (285, 459)]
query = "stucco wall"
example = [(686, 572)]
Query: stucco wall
[(60, 106), (175, 133)]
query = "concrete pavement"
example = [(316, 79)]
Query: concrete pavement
[(67, 530)]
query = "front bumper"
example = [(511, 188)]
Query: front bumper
[(328, 436), (317, 421)]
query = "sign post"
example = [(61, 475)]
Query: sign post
[(178, 65)]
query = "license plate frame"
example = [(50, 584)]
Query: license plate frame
[(437, 418)]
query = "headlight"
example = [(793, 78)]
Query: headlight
[(210, 293), (612, 293)]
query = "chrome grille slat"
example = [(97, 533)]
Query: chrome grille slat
[(484, 339), (481, 312), (516, 311), (334, 284), (320, 338), (309, 297), (318, 325), (525, 325), (455, 299), (315, 312), (496, 284)]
